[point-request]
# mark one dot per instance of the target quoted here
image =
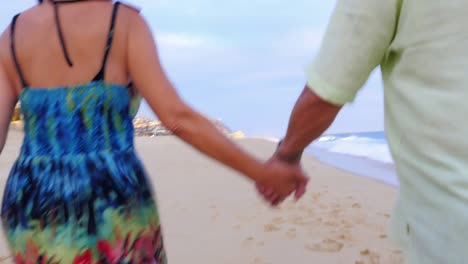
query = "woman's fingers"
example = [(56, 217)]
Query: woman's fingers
[(301, 188), (278, 201), (269, 195)]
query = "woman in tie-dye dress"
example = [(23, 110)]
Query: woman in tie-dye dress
[(78, 193)]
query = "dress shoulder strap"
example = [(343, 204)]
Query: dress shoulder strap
[(13, 51), (110, 37)]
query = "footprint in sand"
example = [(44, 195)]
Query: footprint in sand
[(372, 257), (356, 205), (248, 241), (309, 211), (326, 245), (279, 220), (346, 224), (291, 234), (215, 214), (251, 241), (385, 215), (301, 220), (4, 259), (257, 260), (246, 218), (330, 223), (336, 206), (365, 252), (359, 220), (271, 228), (383, 236), (335, 212), (323, 206), (290, 207), (293, 218), (345, 236), (315, 196)]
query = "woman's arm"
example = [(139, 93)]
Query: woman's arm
[(190, 126), (7, 104)]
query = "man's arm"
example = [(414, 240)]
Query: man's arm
[(356, 42), (310, 117)]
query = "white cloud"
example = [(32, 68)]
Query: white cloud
[(299, 44), (192, 55), (182, 41), (272, 74)]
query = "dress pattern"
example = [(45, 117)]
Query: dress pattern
[(78, 192)]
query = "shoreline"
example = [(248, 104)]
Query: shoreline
[(360, 166)]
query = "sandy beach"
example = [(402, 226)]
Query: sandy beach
[(210, 215)]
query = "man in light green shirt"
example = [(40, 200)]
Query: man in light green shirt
[(422, 50)]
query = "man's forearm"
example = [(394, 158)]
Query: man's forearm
[(310, 117)]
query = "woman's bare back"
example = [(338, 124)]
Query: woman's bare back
[(85, 26)]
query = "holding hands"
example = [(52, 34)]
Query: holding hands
[(284, 176)]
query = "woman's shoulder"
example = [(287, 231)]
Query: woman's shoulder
[(5, 40), (129, 12), (131, 7), (28, 17)]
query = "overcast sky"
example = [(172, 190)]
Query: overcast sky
[(243, 61)]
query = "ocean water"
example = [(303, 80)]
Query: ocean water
[(370, 145), (365, 153)]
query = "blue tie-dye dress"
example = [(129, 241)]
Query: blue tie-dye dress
[(78, 193)]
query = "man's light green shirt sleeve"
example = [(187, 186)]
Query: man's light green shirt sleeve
[(355, 43)]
